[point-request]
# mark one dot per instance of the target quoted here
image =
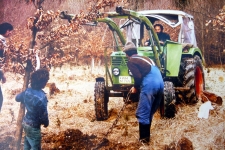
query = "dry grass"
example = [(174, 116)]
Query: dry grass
[(73, 108)]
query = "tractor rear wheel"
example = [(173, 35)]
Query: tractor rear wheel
[(192, 76), (167, 106), (101, 100)]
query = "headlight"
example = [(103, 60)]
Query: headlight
[(116, 71), (129, 72)]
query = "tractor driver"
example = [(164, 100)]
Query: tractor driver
[(161, 35)]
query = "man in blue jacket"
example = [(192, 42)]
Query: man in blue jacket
[(148, 78), (35, 102)]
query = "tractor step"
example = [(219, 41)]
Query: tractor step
[(119, 94), (182, 88)]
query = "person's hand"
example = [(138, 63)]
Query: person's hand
[(133, 90), (146, 43), (161, 42)]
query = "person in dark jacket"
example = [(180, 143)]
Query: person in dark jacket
[(148, 78), (35, 102), (5, 32), (162, 36)]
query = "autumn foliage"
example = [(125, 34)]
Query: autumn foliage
[(51, 41), (219, 21), (59, 41)]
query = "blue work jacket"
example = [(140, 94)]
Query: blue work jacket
[(35, 102)]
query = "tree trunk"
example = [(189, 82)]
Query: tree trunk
[(19, 129), (28, 70), (92, 65)]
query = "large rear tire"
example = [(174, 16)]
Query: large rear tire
[(167, 106), (192, 76), (101, 100)]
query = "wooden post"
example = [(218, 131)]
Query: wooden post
[(28, 70), (19, 128)]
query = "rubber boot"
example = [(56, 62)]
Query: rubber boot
[(144, 132)]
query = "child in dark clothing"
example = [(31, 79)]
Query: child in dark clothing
[(35, 101)]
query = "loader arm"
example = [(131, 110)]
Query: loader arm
[(125, 13)]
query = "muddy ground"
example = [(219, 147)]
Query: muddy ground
[(73, 124)]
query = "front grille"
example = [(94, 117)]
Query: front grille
[(118, 61)]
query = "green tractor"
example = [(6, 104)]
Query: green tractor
[(180, 61)]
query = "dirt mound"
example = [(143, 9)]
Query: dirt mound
[(69, 139), (74, 139)]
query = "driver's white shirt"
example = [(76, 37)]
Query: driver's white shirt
[(2, 38)]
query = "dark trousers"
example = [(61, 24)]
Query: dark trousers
[(144, 132), (1, 98)]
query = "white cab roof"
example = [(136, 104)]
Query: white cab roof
[(165, 12)]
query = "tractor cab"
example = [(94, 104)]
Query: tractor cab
[(178, 24)]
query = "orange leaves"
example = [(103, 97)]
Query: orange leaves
[(17, 53), (96, 6), (104, 3), (219, 20), (41, 20), (1, 45), (53, 33), (30, 22)]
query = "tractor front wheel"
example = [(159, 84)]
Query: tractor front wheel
[(101, 100), (167, 106)]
